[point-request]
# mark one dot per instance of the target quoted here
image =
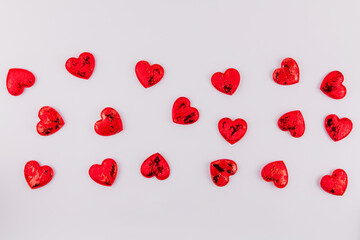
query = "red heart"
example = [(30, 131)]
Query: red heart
[(105, 173), (292, 122), (337, 128), (221, 170), (183, 113), (81, 67), (275, 172), (332, 85), (288, 73), (37, 176), (226, 82), (50, 121), (148, 75), (232, 131), (109, 124), (18, 79), (155, 165), (336, 183)]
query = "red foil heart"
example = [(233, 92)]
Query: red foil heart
[(18, 79), (221, 170), (337, 128), (275, 172), (148, 75), (332, 85), (183, 113), (50, 121), (226, 82), (81, 67), (288, 74), (232, 131), (292, 122), (37, 176), (109, 124), (155, 165), (336, 183), (105, 173)]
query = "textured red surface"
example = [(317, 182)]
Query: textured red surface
[(232, 131), (109, 124), (18, 79), (81, 67), (288, 74), (148, 75), (104, 174), (275, 172), (50, 121), (157, 166), (226, 82), (292, 122), (337, 128), (336, 183), (221, 170), (183, 113), (332, 85), (37, 176)]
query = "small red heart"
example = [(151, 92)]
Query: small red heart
[(18, 79), (105, 173), (226, 82), (336, 183), (109, 124), (183, 113), (337, 128), (232, 131), (221, 170), (50, 121), (292, 122), (148, 75), (275, 172), (155, 165), (332, 85), (288, 74), (81, 67), (37, 176)]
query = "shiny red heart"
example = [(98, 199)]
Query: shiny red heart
[(275, 172), (183, 113), (288, 74), (226, 82), (148, 75), (50, 121), (81, 67), (157, 166), (18, 79), (337, 128), (332, 85), (232, 131), (292, 122), (221, 170), (105, 173), (37, 176), (336, 183), (109, 124)]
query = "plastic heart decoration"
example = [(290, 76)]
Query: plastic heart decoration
[(335, 184), (109, 124), (332, 85), (183, 113), (18, 79), (337, 128), (275, 172), (221, 170), (37, 176), (293, 122), (81, 67), (288, 74), (226, 82), (148, 75), (105, 173), (50, 121), (232, 131), (157, 166)]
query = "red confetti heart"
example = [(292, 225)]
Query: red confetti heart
[(337, 128), (336, 183), (105, 173), (275, 172), (109, 124), (183, 113), (50, 121), (155, 165), (226, 82), (81, 67), (37, 176), (232, 131), (148, 75), (292, 122), (288, 73), (18, 79), (221, 170), (332, 85)]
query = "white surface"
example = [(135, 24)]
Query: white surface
[(191, 40)]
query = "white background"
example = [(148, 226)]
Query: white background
[(191, 40)]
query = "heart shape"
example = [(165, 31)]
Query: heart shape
[(293, 122), (18, 79), (226, 82), (232, 131), (50, 121), (337, 128), (336, 183), (288, 74), (148, 75), (81, 67), (37, 176), (105, 173), (332, 85), (183, 113), (157, 166), (276, 172), (109, 124), (221, 170)]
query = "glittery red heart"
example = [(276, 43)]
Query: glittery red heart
[(148, 75), (337, 128), (332, 85), (336, 183), (50, 121), (37, 176), (155, 165), (105, 173), (232, 131), (292, 122), (81, 67), (221, 170), (109, 124), (288, 73), (226, 82), (183, 113), (18, 79), (275, 172)]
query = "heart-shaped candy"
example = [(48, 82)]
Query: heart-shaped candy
[(109, 124), (332, 85), (183, 113), (18, 79), (157, 166), (275, 172), (105, 173), (148, 75), (232, 131), (292, 122), (337, 128), (221, 170), (37, 176), (50, 121), (336, 183), (81, 67), (226, 82), (288, 74)]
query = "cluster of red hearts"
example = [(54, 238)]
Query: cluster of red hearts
[(183, 113)]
